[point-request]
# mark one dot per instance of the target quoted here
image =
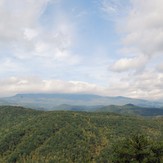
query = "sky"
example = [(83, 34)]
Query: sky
[(104, 47)]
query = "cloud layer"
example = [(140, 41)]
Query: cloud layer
[(55, 46), (14, 85), (142, 39), (25, 37)]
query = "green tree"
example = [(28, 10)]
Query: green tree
[(138, 148)]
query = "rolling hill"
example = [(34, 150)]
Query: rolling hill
[(130, 109), (32, 136)]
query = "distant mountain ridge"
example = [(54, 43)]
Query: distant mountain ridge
[(52, 101), (130, 109)]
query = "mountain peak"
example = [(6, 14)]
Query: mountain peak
[(131, 105)]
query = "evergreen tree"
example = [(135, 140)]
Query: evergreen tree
[(137, 149)]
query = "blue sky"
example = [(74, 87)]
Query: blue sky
[(106, 47)]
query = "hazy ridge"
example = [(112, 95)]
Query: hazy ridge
[(52, 101)]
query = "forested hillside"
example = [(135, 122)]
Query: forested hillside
[(30, 136), (130, 109)]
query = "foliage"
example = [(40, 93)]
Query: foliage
[(137, 148), (30, 136), (130, 109)]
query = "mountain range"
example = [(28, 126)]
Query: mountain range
[(52, 101)]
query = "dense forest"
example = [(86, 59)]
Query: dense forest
[(30, 136)]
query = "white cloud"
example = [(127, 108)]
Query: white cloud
[(22, 32), (114, 8), (14, 85), (17, 16), (146, 85), (126, 64), (29, 47), (159, 68), (30, 34), (109, 7), (9, 66), (144, 26), (138, 87), (141, 30)]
